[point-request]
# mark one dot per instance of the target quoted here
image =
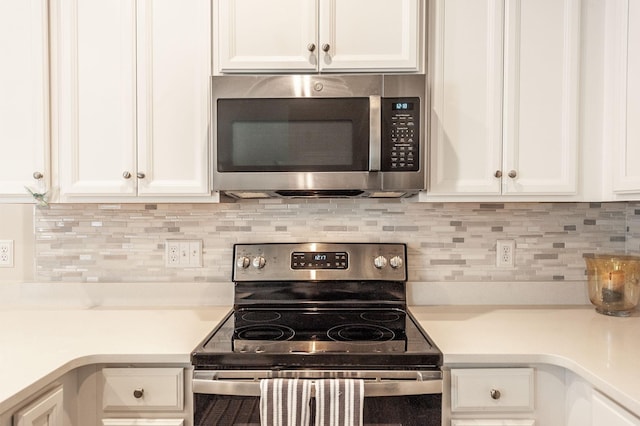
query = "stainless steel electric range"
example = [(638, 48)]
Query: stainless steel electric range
[(319, 310)]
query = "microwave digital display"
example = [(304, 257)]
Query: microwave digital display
[(402, 106)]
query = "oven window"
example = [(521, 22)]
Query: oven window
[(414, 410), (297, 135)]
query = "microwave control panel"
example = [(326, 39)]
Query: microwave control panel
[(400, 134)]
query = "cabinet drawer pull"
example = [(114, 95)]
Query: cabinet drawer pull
[(126, 175), (141, 175), (495, 394), (498, 173), (513, 174), (311, 47), (138, 393), (326, 47), (37, 175)]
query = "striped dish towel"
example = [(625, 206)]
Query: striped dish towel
[(339, 402), (285, 402)]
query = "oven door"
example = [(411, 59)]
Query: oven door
[(392, 398)]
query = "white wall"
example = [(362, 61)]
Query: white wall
[(16, 223)]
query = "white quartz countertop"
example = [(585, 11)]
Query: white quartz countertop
[(603, 350), (39, 346)]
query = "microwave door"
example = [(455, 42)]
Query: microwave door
[(299, 135)]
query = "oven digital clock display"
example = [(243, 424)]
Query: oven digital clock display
[(319, 260)]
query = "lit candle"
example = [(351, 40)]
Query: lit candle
[(613, 287)]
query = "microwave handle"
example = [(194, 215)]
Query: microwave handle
[(375, 133)]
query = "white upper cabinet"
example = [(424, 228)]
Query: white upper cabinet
[(622, 86), (130, 97), (24, 98), (318, 35), (505, 106)]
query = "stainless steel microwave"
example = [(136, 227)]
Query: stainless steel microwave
[(319, 135)]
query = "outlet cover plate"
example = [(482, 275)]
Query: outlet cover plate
[(183, 253), (6, 253), (505, 253)]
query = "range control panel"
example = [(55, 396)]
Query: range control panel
[(320, 261), (400, 134)]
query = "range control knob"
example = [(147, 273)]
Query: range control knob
[(380, 262), (243, 262), (396, 262), (259, 262)]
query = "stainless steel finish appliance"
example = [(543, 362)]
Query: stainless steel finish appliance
[(319, 310), (319, 135)]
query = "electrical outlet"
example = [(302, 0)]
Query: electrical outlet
[(6, 253), (183, 253), (172, 250), (505, 253)]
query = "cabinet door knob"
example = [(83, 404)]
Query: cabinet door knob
[(498, 173), (126, 175), (326, 47), (311, 47), (513, 174), (138, 393), (37, 175), (495, 394), (140, 175)]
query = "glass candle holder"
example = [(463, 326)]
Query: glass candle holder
[(613, 282)]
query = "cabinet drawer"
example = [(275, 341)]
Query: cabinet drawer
[(492, 389), (140, 389)]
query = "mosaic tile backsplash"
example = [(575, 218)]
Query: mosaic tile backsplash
[(446, 241)]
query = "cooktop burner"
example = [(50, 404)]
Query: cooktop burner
[(318, 330)]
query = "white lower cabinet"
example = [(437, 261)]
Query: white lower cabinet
[(143, 422), (491, 397), (513, 395), (45, 411), (141, 396), (492, 422), (608, 413)]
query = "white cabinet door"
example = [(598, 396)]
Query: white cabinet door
[(267, 35), (377, 35), (131, 97), (542, 46), (312, 35), (174, 66), (505, 97), (466, 115), (24, 97), (94, 82), (623, 87), (607, 413), (46, 411)]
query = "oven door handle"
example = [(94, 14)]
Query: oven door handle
[(371, 388)]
